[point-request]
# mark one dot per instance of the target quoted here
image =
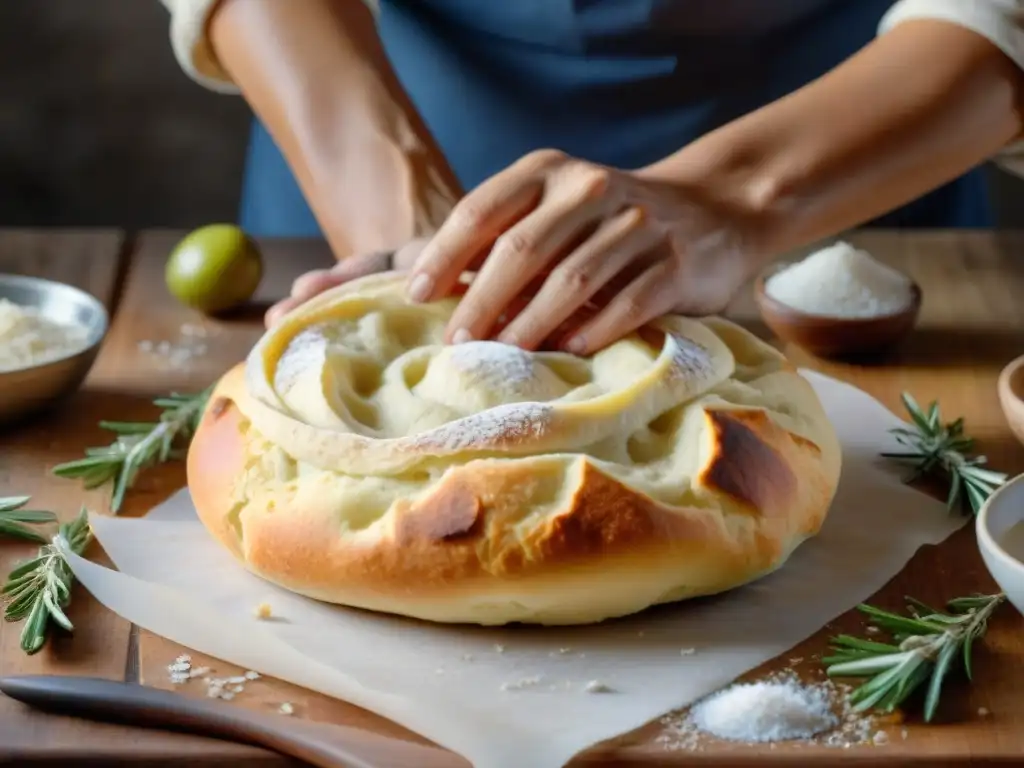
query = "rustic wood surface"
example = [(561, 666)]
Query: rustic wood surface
[(972, 324)]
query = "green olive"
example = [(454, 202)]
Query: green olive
[(215, 268)]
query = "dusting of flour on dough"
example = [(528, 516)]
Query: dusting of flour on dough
[(689, 359), (304, 352), (511, 424), (493, 360)]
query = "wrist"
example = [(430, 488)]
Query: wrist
[(748, 189), (373, 183)]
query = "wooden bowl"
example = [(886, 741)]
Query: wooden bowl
[(1011, 396), (835, 337)]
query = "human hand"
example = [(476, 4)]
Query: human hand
[(579, 255), (319, 280)]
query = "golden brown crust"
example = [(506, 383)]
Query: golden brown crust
[(451, 551)]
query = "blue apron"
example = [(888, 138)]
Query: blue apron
[(618, 82)]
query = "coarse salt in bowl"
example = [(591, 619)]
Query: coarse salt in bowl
[(838, 302), (841, 281)]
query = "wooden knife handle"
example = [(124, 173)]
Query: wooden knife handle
[(131, 704)]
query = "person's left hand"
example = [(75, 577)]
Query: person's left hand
[(579, 255)]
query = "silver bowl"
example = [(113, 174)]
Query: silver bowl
[(25, 391)]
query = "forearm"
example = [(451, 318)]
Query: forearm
[(916, 108), (315, 74)]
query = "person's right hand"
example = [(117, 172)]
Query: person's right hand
[(316, 282)]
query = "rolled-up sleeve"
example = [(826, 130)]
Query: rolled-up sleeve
[(192, 47), (1000, 21)]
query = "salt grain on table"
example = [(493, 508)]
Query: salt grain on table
[(181, 671)]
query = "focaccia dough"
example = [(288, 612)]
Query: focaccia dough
[(357, 459)]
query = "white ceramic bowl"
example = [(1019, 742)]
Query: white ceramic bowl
[(1003, 510)]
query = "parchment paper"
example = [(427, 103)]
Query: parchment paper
[(507, 698)]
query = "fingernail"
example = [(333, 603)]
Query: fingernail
[(509, 338), (461, 336), (420, 287), (576, 345)]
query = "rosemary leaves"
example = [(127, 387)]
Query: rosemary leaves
[(926, 646), (935, 447), (15, 519), (138, 445), (38, 591)]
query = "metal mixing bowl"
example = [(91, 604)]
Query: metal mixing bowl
[(25, 391)]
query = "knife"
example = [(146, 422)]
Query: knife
[(131, 704)]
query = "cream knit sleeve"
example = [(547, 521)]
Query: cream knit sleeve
[(191, 46), (1001, 21)]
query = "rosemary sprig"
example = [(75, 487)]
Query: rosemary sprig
[(15, 520), (38, 591), (943, 448), (138, 445), (925, 647)]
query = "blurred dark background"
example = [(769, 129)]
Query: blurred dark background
[(99, 127)]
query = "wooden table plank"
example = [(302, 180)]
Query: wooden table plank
[(972, 323), (90, 260), (86, 259)]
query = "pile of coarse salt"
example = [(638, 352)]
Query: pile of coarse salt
[(778, 708), (841, 281)]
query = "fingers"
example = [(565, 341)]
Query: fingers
[(617, 243), (649, 296), (472, 226), (479, 219), (518, 257), (316, 282)]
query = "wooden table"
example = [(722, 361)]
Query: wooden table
[(971, 325)]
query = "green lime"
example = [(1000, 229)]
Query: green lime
[(215, 268)]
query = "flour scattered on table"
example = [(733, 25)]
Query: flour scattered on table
[(190, 344), (596, 686), (776, 709), (29, 338)]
